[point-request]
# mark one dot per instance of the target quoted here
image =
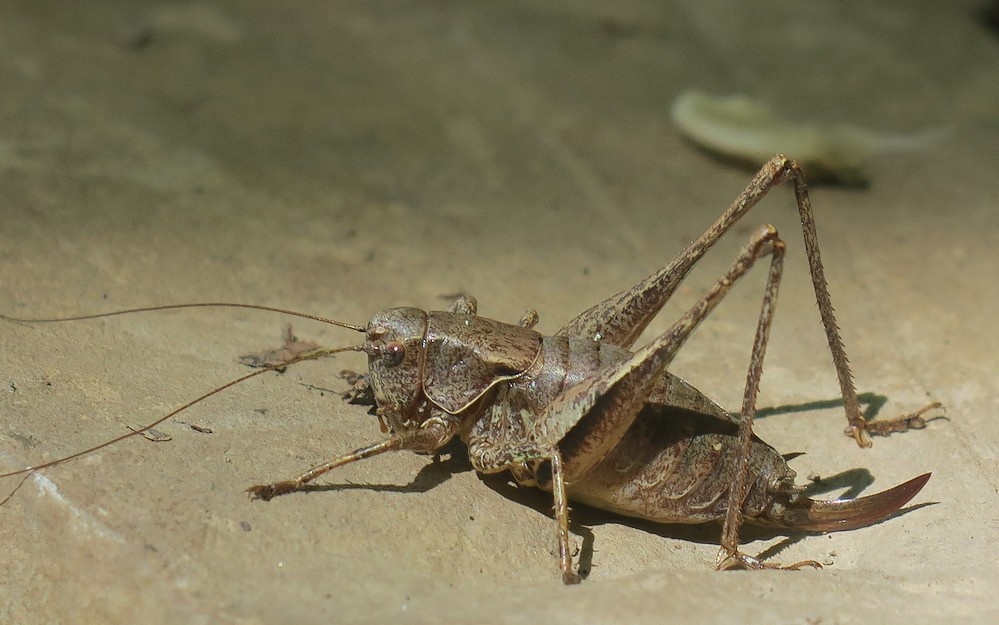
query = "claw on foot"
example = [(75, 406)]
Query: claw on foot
[(267, 492), (739, 561), (862, 430)]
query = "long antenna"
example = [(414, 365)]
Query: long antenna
[(312, 355), (283, 311)]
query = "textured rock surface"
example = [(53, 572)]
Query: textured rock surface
[(347, 157)]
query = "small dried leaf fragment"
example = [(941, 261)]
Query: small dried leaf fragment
[(152, 434), (280, 357)]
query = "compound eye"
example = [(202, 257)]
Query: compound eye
[(394, 353)]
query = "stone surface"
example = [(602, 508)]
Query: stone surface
[(345, 157)]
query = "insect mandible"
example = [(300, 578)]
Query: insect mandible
[(582, 416)]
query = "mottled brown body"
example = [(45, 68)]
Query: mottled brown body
[(673, 464), (582, 415)]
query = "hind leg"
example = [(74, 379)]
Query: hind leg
[(729, 556), (620, 319)]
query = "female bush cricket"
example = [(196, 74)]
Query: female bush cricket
[(582, 416)]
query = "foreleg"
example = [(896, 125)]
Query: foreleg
[(433, 434)]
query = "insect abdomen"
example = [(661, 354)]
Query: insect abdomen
[(675, 466)]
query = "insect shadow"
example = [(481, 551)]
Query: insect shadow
[(450, 460), (873, 402)]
